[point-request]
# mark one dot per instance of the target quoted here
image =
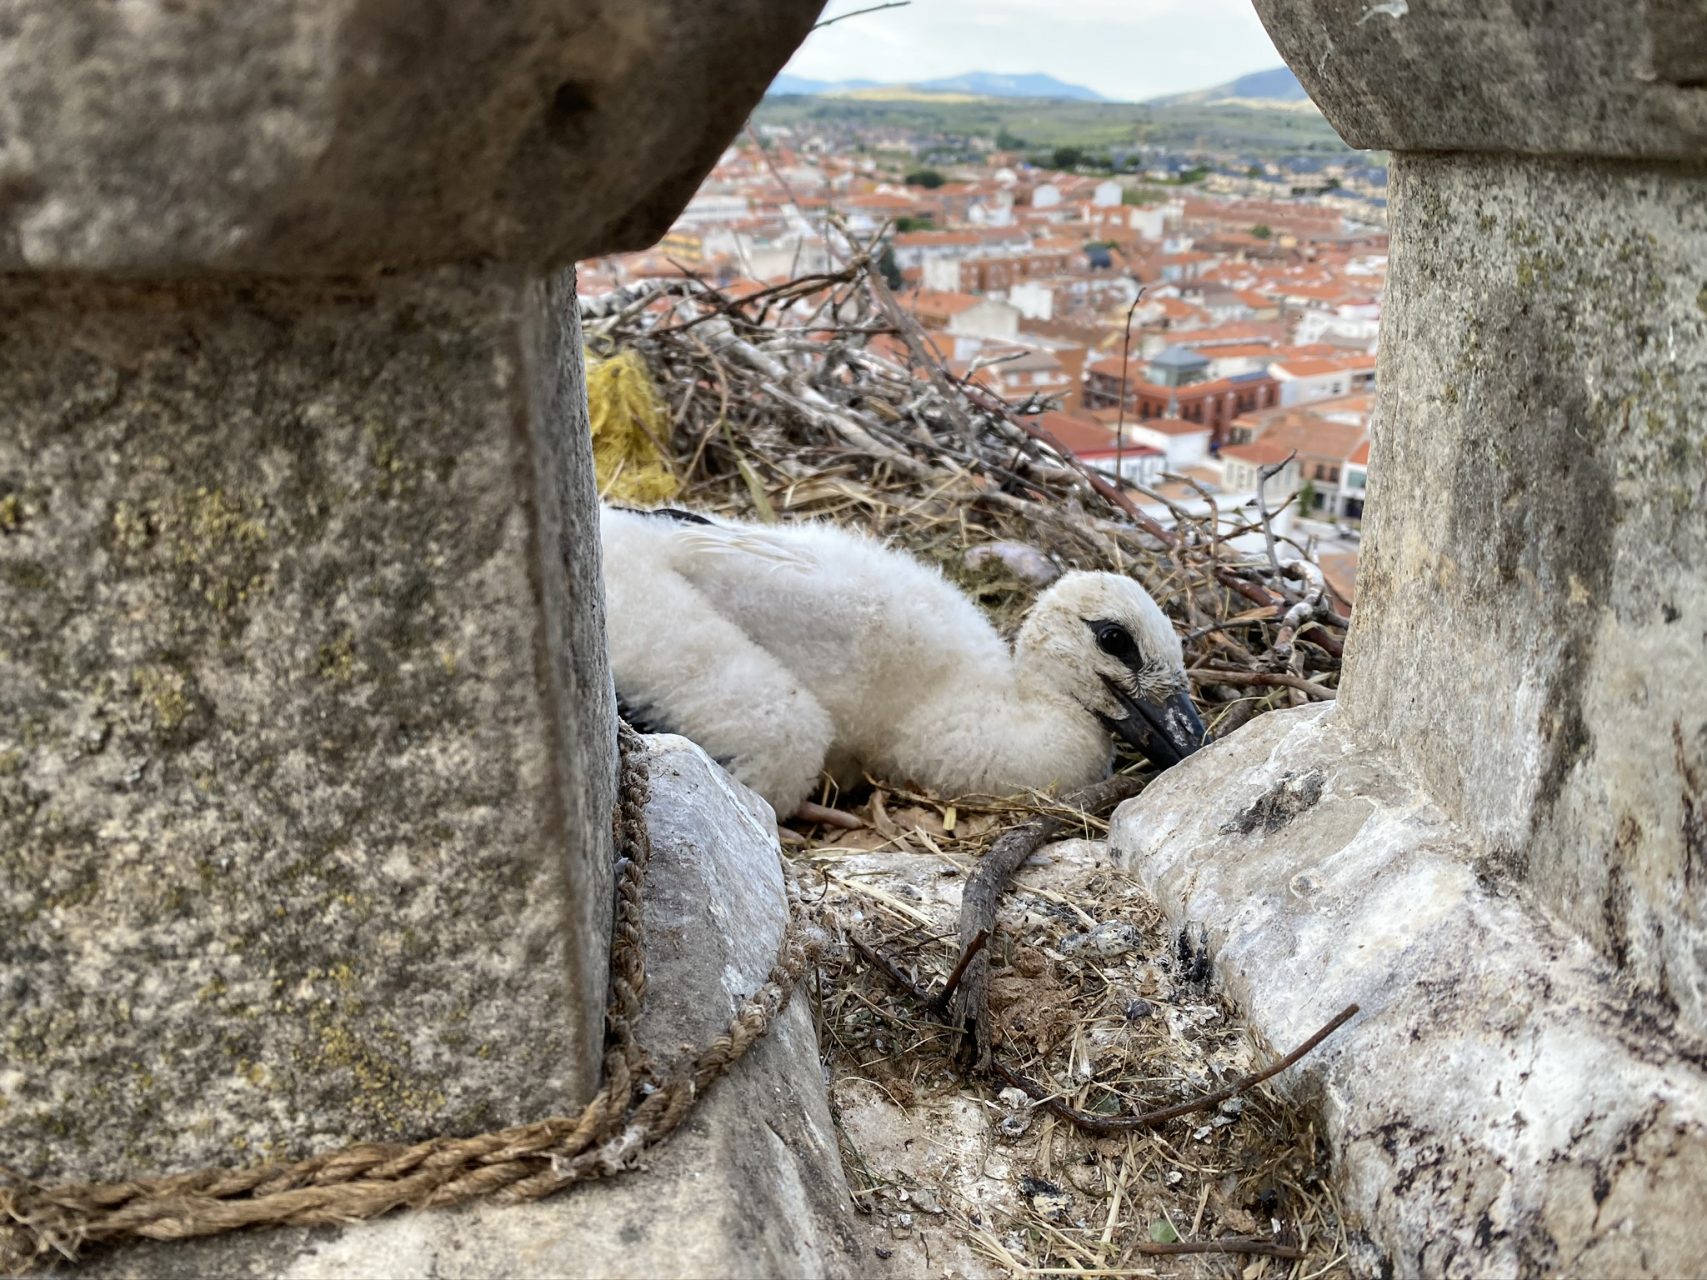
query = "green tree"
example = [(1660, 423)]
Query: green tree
[(888, 268), (1066, 157), (930, 179), (1262, 231), (907, 222), (1006, 141)]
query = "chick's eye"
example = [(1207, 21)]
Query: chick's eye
[(1115, 640)]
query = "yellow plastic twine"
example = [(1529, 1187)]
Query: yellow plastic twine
[(631, 430)]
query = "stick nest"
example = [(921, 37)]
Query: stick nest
[(821, 398)]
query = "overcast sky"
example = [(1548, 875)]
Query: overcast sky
[(1128, 49)]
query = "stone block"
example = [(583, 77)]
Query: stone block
[(1532, 602), (330, 137), (1577, 77), (1503, 1105), (306, 730), (751, 1185)]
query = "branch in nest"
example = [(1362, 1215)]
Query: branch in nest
[(1245, 679), (969, 1006), (1103, 1125)]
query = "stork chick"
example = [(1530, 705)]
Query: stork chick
[(784, 651)]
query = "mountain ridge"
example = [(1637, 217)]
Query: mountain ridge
[(1276, 87), (983, 84)]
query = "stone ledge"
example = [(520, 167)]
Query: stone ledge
[(1500, 1106), (1578, 77), (340, 136)]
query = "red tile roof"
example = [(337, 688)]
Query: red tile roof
[(1259, 453), (939, 302), (1316, 368)]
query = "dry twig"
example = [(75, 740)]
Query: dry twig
[(969, 1007), (1100, 1124)]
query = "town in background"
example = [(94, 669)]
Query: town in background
[(1199, 320)]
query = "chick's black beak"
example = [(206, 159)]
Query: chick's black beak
[(1166, 732)]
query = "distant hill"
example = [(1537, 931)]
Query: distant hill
[(1275, 89), (786, 83), (974, 84), (1238, 131), (991, 85)]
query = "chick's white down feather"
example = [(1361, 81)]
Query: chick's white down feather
[(788, 650)]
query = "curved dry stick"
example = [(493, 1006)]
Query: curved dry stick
[(1104, 1125), (969, 1009)]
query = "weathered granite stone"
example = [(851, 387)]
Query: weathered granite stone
[(1572, 77), (752, 1183), (306, 729), (1494, 840), (1531, 626), (328, 137), (305, 721), (1502, 1105)]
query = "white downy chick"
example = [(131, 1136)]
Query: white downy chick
[(788, 650)]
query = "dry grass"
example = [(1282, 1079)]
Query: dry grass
[(781, 407), (1093, 996)]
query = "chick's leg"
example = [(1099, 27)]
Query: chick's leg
[(691, 671)]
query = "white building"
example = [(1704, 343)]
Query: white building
[(987, 318), (1183, 444), (1241, 466), (1344, 327), (1307, 381), (1149, 221), (1033, 299)]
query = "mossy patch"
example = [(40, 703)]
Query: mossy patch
[(335, 661), (25, 575), (172, 703), (213, 541)]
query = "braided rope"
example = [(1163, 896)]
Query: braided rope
[(633, 1111)]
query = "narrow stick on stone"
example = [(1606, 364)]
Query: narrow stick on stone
[(969, 1007), (1150, 1119)]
